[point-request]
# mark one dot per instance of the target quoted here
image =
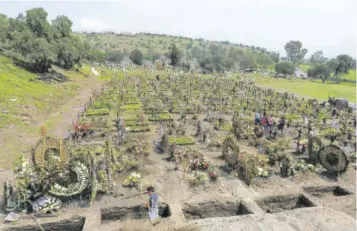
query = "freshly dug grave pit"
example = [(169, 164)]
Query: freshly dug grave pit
[(130, 213), (276, 204), (215, 209), (75, 223), (322, 191)]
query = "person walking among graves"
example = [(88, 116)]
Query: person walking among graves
[(306, 121), (172, 151), (153, 206), (281, 124), (257, 118), (264, 123), (270, 122)]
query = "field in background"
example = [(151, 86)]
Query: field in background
[(317, 90)]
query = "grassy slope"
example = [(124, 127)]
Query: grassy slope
[(146, 43), (316, 90), (22, 97)]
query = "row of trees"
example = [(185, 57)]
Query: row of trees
[(325, 69), (321, 67), (41, 43), (214, 58)]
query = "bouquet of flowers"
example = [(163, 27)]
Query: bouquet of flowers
[(133, 180), (199, 164)]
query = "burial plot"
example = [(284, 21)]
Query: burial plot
[(211, 209), (276, 204), (131, 213), (323, 191)]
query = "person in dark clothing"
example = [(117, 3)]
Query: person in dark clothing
[(281, 124)]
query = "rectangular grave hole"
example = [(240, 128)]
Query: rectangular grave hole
[(276, 204), (322, 191), (215, 209), (132, 213)]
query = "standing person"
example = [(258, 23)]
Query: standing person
[(264, 122), (306, 121), (281, 124), (270, 122), (257, 118), (172, 151), (153, 206)]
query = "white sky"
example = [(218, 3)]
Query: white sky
[(327, 25)]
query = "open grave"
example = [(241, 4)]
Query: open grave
[(215, 209), (129, 213), (276, 204), (75, 223), (322, 191)]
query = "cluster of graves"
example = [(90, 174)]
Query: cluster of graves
[(110, 137)]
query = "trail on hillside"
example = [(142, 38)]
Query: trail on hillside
[(14, 142)]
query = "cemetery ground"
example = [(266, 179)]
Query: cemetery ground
[(205, 193)]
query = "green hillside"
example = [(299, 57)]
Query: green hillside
[(152, 46), (23, 97)]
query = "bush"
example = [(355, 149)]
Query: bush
[(285, 68), (136, 57)]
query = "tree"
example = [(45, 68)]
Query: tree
[(317, 57), (247, 62), (345, 63), (275, 56), (294, 51), (115, 56), (174, 55), (207, 64), (37, 22), (136, 57), (67, 54), (321, 71), (42, 54), (62, 27), (4, 27), (285, 68), (264, 60), (21, 41)]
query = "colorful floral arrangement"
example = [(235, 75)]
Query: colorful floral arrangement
[(200, 163)]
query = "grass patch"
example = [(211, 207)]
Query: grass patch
[(139, 129), (304, 67), (94, 112), (21, 94), (102, 104), (131, 107), (350, 76), (316, 90), (181, 141), (161, 117)]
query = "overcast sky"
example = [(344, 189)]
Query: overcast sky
[(327, 25)]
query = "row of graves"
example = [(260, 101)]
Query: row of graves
[(109, 140)]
